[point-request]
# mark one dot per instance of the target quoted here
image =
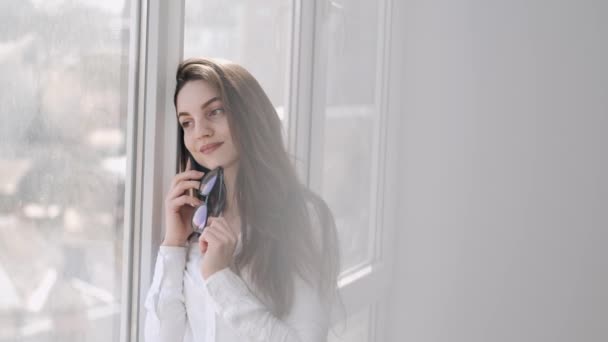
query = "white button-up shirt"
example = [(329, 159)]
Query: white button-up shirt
[(182, 306)]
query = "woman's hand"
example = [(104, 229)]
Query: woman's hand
[(179, 207), (218, 243)]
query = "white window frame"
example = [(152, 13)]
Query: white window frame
[(366, 285), (300, 88), (156, 49)]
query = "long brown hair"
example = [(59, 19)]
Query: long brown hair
[(286, 229)]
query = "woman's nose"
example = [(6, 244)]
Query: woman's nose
[(204, 129)]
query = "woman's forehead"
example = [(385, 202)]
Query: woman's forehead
[(195, 94)]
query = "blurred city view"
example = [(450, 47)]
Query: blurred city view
[(62, 168), (64, 67)]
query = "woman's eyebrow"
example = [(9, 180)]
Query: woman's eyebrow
[(202, 107), (210, 102)]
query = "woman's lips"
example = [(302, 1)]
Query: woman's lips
[(210, 148)]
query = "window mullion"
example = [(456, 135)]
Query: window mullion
[(301, 86), (132, 197), (162, 36), (316, 132)]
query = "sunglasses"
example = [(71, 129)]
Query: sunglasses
[(212, 192)]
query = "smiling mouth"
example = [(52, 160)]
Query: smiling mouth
[(210, 148)]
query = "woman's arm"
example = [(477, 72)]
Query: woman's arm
[(307, 322), (165, 310)]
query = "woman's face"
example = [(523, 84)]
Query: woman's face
[(205, 123)]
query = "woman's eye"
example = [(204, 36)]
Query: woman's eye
[(185, 124), (216, 112)]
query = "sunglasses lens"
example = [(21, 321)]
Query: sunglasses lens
[(213, 190), (217, 198), (207, 184), (199, 219), (218, 202)]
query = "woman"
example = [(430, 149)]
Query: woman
[(266, 268)]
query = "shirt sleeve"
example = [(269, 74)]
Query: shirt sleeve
[(233, 301), (165, 309)]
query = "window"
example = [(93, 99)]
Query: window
[(348, 161), (87, 148), (255, 34), (348, 119), (63, 103)]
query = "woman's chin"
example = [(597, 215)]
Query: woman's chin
[(209, 166), (205, 164), (214, 164)]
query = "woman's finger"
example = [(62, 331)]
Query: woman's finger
[(207, 238), (186, 175), (223, 226), (181, 187), (202, 243), (219, 233), (222, 231), (175, 204)]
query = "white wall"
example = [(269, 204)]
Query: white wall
[(504, 164)]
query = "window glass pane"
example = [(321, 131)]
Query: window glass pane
[(350, 119), (253, 33), (62, 168)]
